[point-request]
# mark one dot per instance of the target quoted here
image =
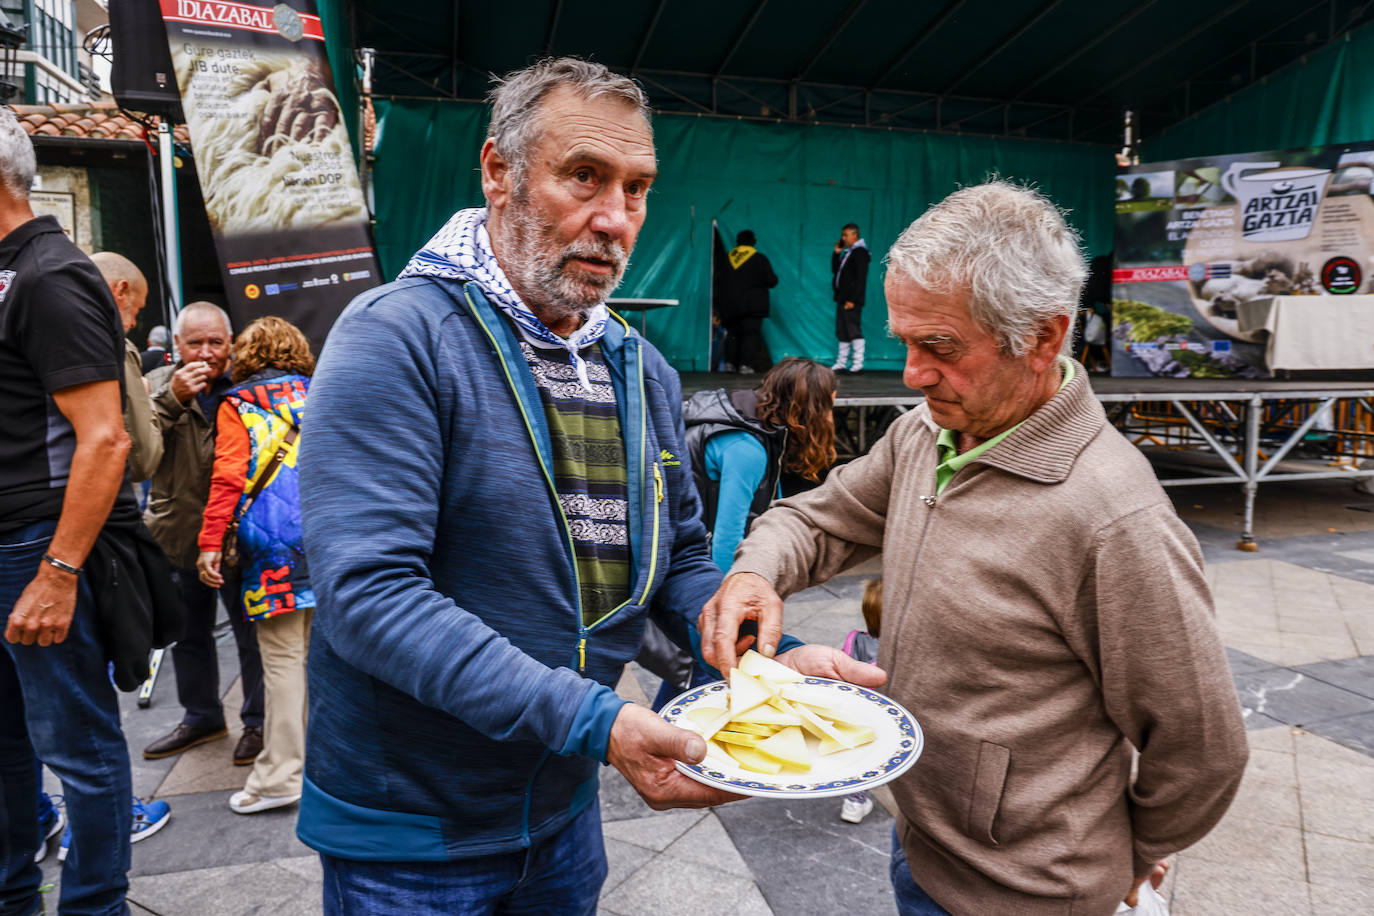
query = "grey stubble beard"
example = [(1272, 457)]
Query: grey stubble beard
[(539, 276)]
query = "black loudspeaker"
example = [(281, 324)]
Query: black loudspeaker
[(141, 76)]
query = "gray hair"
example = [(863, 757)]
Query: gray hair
[(17, 159), (159, 336), (202, 306), (515, 103), (1009, 246)]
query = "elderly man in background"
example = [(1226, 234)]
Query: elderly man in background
[(156, 356), (490, 520), (186, 397), (60, 358), (1017, 529), (130, 291)]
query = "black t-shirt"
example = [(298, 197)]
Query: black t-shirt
[(59, 328)]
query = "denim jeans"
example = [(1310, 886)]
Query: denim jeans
[(562, 875), (911, 900), (197, 660), (57, 701)]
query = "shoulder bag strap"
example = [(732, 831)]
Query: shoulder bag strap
[(267, 472)]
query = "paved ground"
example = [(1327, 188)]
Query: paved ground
[(1298, 618)]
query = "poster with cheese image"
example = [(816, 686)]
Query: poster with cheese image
[(274, 159), (1193, 266)]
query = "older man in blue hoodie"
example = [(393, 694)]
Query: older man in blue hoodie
[(494, 503)]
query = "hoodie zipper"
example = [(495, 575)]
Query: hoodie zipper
[(583, 629)]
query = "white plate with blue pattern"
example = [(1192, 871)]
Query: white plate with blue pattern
[(896, 745)]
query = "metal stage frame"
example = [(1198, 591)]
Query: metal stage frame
[(1195, 432)]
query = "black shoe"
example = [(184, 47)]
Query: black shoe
[(182, 738), (249, 746)]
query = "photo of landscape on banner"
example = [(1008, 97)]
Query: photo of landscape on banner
[(1203, 244), (276, 168)]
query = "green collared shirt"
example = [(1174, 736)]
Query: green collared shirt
[(951, 461)]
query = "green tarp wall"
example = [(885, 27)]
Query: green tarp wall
[(1324, 99), (794, 185)]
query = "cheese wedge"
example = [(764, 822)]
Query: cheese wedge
[(828, 747), (706, 721), (787, 747), (750, 728), (821, 728), (751, 759), (745, 693), (729, 737), (767, 715), (761, 666), (861, 734), (818, 698), (703, 715)]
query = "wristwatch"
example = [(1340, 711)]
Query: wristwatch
[(65, 567)]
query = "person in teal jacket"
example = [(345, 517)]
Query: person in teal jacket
[(741, 442), (494, 503)]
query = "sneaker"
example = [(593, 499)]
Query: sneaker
[(856, 807), (55, 824), (66, 844), (149, 818), (245, 802), (746, 370)]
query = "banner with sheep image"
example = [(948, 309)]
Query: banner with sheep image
[(1201, 242), (274, 160)]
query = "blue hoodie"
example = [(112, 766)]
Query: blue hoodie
[(458, 706)]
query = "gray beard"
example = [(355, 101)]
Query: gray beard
[(540, 275)]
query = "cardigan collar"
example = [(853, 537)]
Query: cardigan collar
[(1045, 446)]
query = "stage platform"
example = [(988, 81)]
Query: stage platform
[(885, 389), (1195, 431)]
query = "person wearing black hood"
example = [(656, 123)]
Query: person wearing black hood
[(744, 302)]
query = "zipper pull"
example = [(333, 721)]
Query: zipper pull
[(582, 655), (929, 501), (658, 484)]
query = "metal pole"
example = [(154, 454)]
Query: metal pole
[(711, 301), (1251, 485), (167, 153), (368, 58)]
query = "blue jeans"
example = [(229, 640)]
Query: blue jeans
[(57, 701), (911, 900), (562, 875)]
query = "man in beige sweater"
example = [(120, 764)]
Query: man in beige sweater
[(1046, 620)]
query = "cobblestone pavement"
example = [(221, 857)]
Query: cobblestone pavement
[(1298, 620)]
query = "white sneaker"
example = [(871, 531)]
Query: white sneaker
[(746, 370), (55, 826), (856, 807), (245, 802)]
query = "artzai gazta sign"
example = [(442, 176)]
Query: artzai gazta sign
[(1198, 239), (275, 164)]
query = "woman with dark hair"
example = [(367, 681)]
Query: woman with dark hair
[(739, 444), (254, 512)]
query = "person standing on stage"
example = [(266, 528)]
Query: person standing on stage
[(744, 302), (849, 275)]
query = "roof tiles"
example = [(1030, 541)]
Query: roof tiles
[(98, 120)]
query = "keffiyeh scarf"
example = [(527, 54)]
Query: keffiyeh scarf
[(461, 250)]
